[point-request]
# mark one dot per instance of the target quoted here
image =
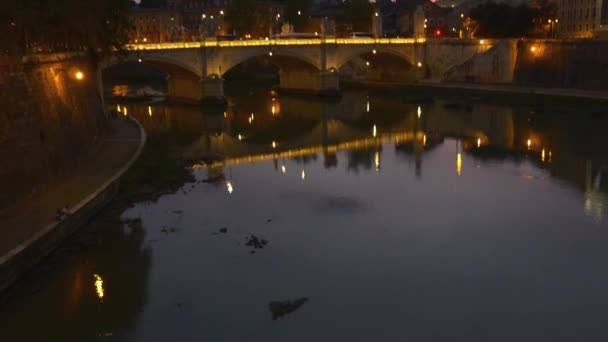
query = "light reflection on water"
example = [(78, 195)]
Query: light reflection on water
[(365, 214)]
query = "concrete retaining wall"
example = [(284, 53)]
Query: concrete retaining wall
[(23, 257)]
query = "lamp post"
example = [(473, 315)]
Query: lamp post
[(551, 22)]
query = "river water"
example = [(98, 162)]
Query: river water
[(397, 218)]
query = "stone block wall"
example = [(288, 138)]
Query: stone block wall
[(565, 64), (49, 120)]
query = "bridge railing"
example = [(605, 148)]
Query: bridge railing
[(276, 42)]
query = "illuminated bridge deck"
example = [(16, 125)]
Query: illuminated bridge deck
[(277, 42)]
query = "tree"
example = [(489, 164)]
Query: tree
[(358, 14), (491, 20), (97, 26), (297, 13), (241, 14)]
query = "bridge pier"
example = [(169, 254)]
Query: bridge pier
[(324, 83), (212, 91)]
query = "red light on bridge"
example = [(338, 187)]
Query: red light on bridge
[(438, 33)]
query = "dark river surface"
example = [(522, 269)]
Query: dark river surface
[(396, 219)]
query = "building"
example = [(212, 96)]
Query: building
[(194, 11), (435, 18), (578, 18), (156, 25)]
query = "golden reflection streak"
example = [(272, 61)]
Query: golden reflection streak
[(303, 174), (478, 142), (529, 143), (377, 160), (542, 155), (283, 169), (98, 286), (150, 110), (125, 111), (459, 163), (229, 187), (419, 112), (374, 131), (305, 151), (424, 140)]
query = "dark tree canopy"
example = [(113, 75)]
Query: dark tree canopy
[(492, 20), (242, 15), (358, 14), (301, 21), (98, 26)]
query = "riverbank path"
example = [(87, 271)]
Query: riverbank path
[(25, 218), (581, 93)]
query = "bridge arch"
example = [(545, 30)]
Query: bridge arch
[(163, 64), (277, 55), (344, 55)]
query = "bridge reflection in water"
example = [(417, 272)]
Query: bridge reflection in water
[(261, 127)]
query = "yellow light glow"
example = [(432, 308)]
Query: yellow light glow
[(419, 112), (225, 114), (270, 42), (533, 49), (270, 53), (303, 175), (229, 187), (420, 64), (377, 160), (529, 143), (459, 164), (125, 111), (462, 15), (150, 110), (274, 144), (272, 110), (482, 42), (79, 75), (283, 169), (374, 131), (98, 286), (363, 143), (374, 51), (118, 108), (542, 155), (367, 106), (424, 140), (240, 137), (478, 142), (367, 63)]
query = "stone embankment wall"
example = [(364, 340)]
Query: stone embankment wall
[(580, 64), (49, 119), (566, 64)]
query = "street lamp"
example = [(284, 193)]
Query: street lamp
[(551, 22)]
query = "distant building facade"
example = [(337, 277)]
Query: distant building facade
[(435, 22), (578, 18), (155, 25)]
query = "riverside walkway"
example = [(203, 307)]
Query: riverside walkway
[(581, 93), (23, 221)]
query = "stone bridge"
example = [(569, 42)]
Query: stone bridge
[(196, 69)]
